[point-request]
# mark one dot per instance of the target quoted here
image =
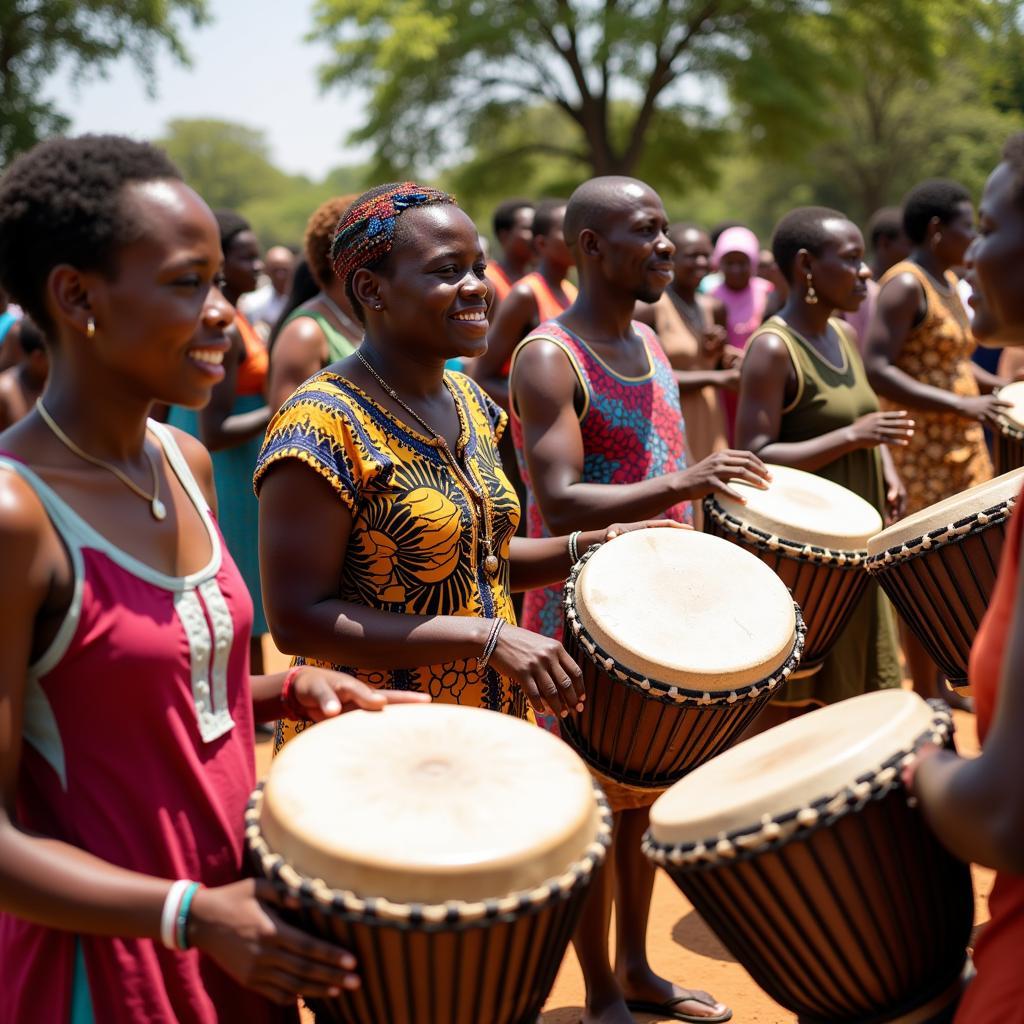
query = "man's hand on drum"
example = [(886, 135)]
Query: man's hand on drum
[(236, 926), (881, 428), (551, 680), (983, 408), (319, 693), (713, 474)]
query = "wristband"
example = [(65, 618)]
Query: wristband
[(181, 918), (492, 642), (169, 915), (574, 554), (293, 711)]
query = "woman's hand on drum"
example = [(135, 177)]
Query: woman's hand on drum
[(551, 680), (319, 693), (983, 408), (881, 428), (712, 475), (235, 927), (618, 529)]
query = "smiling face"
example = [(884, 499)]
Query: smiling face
[(156, 323), (736, 270), (431, 288), (839, 272), (692, 259), (995, 263)]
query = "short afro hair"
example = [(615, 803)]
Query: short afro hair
[(231, 225), (505, 214), (61, 203), (937, 197), (544, 215), (802, 228), (885, 223), (678, 231), (1013, 156), (319, 238)]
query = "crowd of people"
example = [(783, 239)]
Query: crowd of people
[(334, 446)]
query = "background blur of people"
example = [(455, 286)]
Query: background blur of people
[(513, 239), (263, 307), (888, 244), (23, 383)]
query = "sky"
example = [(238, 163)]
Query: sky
[(249, 65)]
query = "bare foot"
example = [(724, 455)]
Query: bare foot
[(648, 988), (613, 1013)]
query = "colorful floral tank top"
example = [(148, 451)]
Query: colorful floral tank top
[(632, 430)]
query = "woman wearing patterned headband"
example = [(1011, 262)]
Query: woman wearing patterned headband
[(386, 521)]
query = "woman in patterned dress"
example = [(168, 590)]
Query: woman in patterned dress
[(387, 523), (918, 357)]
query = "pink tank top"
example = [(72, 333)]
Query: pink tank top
[(138, 747)]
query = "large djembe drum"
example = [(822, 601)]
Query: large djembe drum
[(813, 534), (802, 852), (1008, 436), (681, 638), (447, 848), (939, 568)]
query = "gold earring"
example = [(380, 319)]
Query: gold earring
[(90, 328), (811, 298)]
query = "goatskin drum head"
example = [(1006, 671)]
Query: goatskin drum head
[(429, 803), (949, 511), (1014, 394), (791, 766), (687, 609), (805, 509)]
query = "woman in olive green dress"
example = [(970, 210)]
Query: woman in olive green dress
[(805, 402)]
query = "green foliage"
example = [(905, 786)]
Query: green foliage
[(38, 36)]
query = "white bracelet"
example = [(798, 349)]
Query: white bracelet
[(574, 554), (169, 915)]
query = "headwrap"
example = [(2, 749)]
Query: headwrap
[(738, 239), (366, 231)]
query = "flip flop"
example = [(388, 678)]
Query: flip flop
[(668, 1009)]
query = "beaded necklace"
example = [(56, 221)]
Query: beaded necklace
[(477, 491)]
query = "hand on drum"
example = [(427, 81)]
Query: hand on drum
[(551, 680), (983, 408), (235, 925), (318, 693), (882, 428), (895, 498), (618, 529), (712, 475)]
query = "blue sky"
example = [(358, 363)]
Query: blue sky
[(249, 65)]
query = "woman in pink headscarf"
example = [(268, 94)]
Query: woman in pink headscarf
[(745, 295)]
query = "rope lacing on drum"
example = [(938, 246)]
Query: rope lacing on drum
[(772, 542), (668, 692), (949, 534), (821, 813)]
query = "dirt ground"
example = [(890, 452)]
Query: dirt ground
[(683, 948)]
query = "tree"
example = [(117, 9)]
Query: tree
[(613, 75), (228, 164), (38, 36)]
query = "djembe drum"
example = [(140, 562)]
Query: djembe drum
[(447, 848), (813, 534), (939, 568), (800, 850), (681, 639), (1008, 449)]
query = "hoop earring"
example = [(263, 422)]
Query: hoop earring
[(90, 328), (811, 298)]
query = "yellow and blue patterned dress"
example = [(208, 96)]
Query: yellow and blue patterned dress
[(414, 547)]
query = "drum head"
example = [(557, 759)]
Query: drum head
[(429, 804), (789, 767), (1014, 394), (949, 511), (687, 609), (805, 509)]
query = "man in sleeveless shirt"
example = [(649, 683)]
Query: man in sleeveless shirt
[(599, 431), (513, 234)]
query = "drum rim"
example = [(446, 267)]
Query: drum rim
[(448, 915), (836, 558), (801, 822), (1008, 427), (942, 536), (673, 693)]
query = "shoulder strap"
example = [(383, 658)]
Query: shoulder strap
[(546, 333), (775, 325)]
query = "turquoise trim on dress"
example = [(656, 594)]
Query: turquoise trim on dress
[(81, 996)]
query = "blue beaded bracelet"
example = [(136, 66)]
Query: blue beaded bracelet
[(181, 924)]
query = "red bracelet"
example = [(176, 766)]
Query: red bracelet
[(292, 710)]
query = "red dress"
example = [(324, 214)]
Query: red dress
[(137, 748), (996, 996)]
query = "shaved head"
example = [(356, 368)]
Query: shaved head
[(599, 200)]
